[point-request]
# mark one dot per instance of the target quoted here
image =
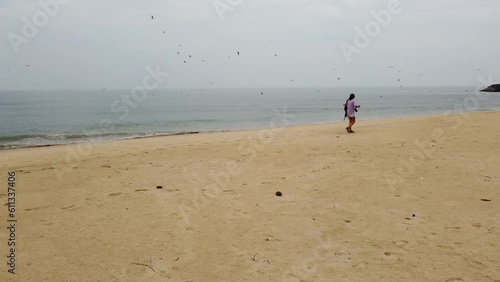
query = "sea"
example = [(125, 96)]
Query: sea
[(51, 117)]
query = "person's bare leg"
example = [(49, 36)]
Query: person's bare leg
[(352, 121)]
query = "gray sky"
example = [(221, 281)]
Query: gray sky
[(108, 44)]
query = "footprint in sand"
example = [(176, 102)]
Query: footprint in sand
[(431, 235), (400, 244), (487, 178), (340, 259), (391, 256)]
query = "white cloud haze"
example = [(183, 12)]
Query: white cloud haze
[(107, 44)]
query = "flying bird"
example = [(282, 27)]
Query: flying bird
[(238, 52), (152, 17)]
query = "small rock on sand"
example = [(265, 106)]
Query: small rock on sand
[(279, 194)]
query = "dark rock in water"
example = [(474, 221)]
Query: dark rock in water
[(159, 187), (279, 194), (492, 88)]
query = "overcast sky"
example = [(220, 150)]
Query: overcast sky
[(108, 44)]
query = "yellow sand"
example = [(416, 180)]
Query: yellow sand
[(369, 206)]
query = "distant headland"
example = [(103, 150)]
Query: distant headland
[(492, 88)]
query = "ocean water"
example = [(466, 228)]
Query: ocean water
[(37, 118)]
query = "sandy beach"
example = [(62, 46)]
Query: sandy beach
[(406, 199)]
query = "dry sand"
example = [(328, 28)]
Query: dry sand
[(369, 206)]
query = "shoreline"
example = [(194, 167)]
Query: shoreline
[(228, 130)]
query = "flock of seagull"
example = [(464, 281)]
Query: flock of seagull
[(275, 55)]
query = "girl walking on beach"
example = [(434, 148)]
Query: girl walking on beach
[(350, 109)]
